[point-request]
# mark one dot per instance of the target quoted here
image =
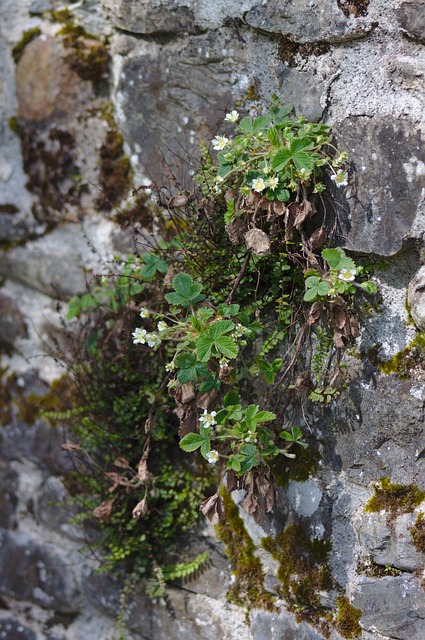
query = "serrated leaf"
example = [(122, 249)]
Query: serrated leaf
[(300, 144), (259, 123), (184, 285), (310, 295), (245, 125), (227, 347), (370, 287), (303, 160), (191, 442), (281, 159), (204, 345), (332, 257), (220, 327), (265, 416)]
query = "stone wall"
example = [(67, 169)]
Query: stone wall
[(161, 83)]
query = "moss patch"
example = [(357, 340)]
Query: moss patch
[(395, 499), (354, 8), (410, 362), (27, 37), (248, 588), (303, 572), (289, 50), (49, 162), (115, 169), (299, 468), (418, 533), (347, 619)]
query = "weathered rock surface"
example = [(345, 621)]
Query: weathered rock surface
[(395, 607), (385, 187), (411, 17), (157, 17), (12, 323), (306, 21), (416, 298)]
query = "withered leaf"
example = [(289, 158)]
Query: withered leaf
[(236, 228), (338, 341), (142, 470), (188, 418), (261, 494), (141, 509), (230, 194), (185, 393), (354, 326), (117, 478), (70, 446), (258, 242), (212, 508), (180, 200), (104, 510), (315, 312), (122, 463), (303, 211), (207, 399), (317, 239)]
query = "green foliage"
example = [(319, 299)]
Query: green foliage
[(347, 619)]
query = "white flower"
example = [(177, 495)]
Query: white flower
[(144, 313), (153, 340), (266, 169), (233, 116), (219, 142), (340, 178), (207, 420), (170, 366), (219, 179), (348, 275), (319, 187), (212, 456), (139, 336), (162, 326), (258, 185), (223, 362), (272, 183), (172, 384)]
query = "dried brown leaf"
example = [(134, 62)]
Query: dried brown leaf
[(122, 463), (317, 239), (141, 509), (302, 213), (315, 312), (236, 229), (180, 200), (71, 447), (260, 496), (258, 242), (104, 510), (212, 508)]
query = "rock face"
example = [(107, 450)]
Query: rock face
[(75, 139)]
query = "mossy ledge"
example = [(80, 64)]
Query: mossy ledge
[(418, 533), (303, 573), (347, 619), (27, 37), (395, 499), (408, 363), (248, 589)]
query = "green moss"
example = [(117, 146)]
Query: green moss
[(395, 499), (303, 571), (115, 169), (248, 588), (408, 363), (418, 533), (27, 37), (347, 619), (299, 468)]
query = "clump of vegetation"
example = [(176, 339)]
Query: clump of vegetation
[(347, 619), (408, 363), (248, 588), (115, 168), (395, 499), (303, 571), (27, 37), (418, 533), (354, 8)]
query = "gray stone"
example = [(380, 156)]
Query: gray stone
[(416, 298), (36, 573), (282, 626), (157, 17), (411, 18), (13, 229), (388, 174), (304, 497), (54, 508), (389, 544), (8, 495), (306, 21), (12, 323), (13, 630), (303, 90), (394, 607)]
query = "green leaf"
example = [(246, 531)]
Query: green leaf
[(184, 285), (265, 416), (251, 412), (229, 211), (227, 347), (191, 442), (260, 123), (332, 257), (231, 399), (300, 144), (204, 344), (245, 126), (370, 287), (281, 159), (220, 327), (303, 160)]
